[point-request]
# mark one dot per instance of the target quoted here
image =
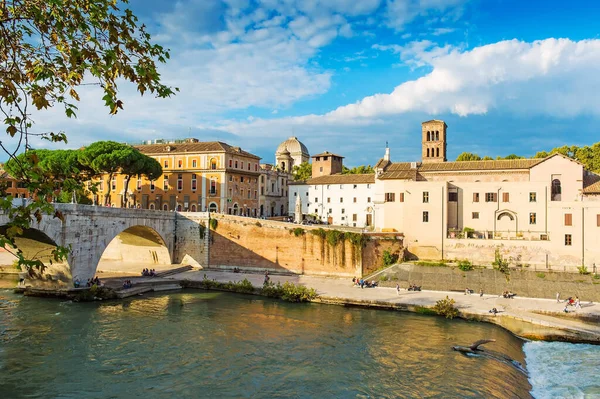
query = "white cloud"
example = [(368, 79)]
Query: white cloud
[(400, 12), (551, 77)]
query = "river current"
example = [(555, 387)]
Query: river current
[(215, 345)]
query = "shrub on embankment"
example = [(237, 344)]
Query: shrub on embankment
[(287, 291)]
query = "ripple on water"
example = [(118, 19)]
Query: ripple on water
[(187, 345), (563, 370)]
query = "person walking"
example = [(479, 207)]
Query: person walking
[(398, 288), (481, 293), (558, 297), (577, 303)]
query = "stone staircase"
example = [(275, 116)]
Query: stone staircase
[(171, 272)]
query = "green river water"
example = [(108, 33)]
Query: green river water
[(196, 344)]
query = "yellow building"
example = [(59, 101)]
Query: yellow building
[(197, 176)]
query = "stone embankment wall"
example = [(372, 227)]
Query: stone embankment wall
[(525, 283), (270, 245), (535, 254)]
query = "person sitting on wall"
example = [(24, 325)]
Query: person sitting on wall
[(494, 311)]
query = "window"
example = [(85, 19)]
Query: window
[(475, 215), (330, 210), (354, 200), (249, 193), (166, 164), (139, 183), (152, 186), (341, 186), (328, 200), (194, 163), (425, 197), (475, 197), (505, 197), (568, 219), (194, 182), (316, 200), (236, 164), (343, 210), (165, 182), (568, 239), (355, 186), (241, 179), (213, 187), (532, 218), (316, 210), (556, 190), (390, 197), (256, 167), (230, 178), (213, 164), (401, 197), (165, 207), (354, 217), (262, 191), (368, 199), (179, 182), (230, 163), (425, 217), (453, 197), (341, 200), (532, 197), (255, 194), (180, 163), (242, 193), (241, 164), (321, 169), (491, 197)]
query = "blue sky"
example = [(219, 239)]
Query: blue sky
[(346, 76)]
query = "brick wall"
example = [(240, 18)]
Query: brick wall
[(260, 244)]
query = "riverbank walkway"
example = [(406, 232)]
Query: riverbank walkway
[(337, 290)]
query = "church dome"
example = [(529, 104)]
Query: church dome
[(293, 146)]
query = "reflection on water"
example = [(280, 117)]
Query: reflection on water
[(195, 344)]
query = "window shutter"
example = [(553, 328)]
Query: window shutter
[(568, 219), (494, 197), (598, 220), (402, 200)]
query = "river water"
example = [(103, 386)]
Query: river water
[(207, 344)]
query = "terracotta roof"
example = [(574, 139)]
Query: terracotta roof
[(382, 163), (591, 184), (190, 148), (501, 164), (343, 179), (327, 154)]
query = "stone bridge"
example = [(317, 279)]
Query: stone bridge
[(144, 237)]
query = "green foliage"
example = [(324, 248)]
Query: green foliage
[(431, 264), (445, 307), (468, 232), (359, 240), (384, 278), (583, 269), (500, 263), (597, 276), (389, 258), (302, 171), (319, 233), (298, 231), (589, 156), (214, 223), (202, 230), (289, 292), (541, 275), (358, 170), (465, 265), (468, 156), (334, 237), (511, 156)]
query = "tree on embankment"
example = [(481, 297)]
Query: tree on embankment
[(47, 51)]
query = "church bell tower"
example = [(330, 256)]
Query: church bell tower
[(434, 141)]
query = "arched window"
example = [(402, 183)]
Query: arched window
[(428, 136), (556, 190), (213, 163), (165, 207), (503, 214), (283, 165), (437, 152), (179, 208), (235, 209), (193, 208), (151, 207), (213, 207), (428, 152), (437, 135)]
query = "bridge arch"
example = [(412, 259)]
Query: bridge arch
[(36, 245), (134, 248)]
